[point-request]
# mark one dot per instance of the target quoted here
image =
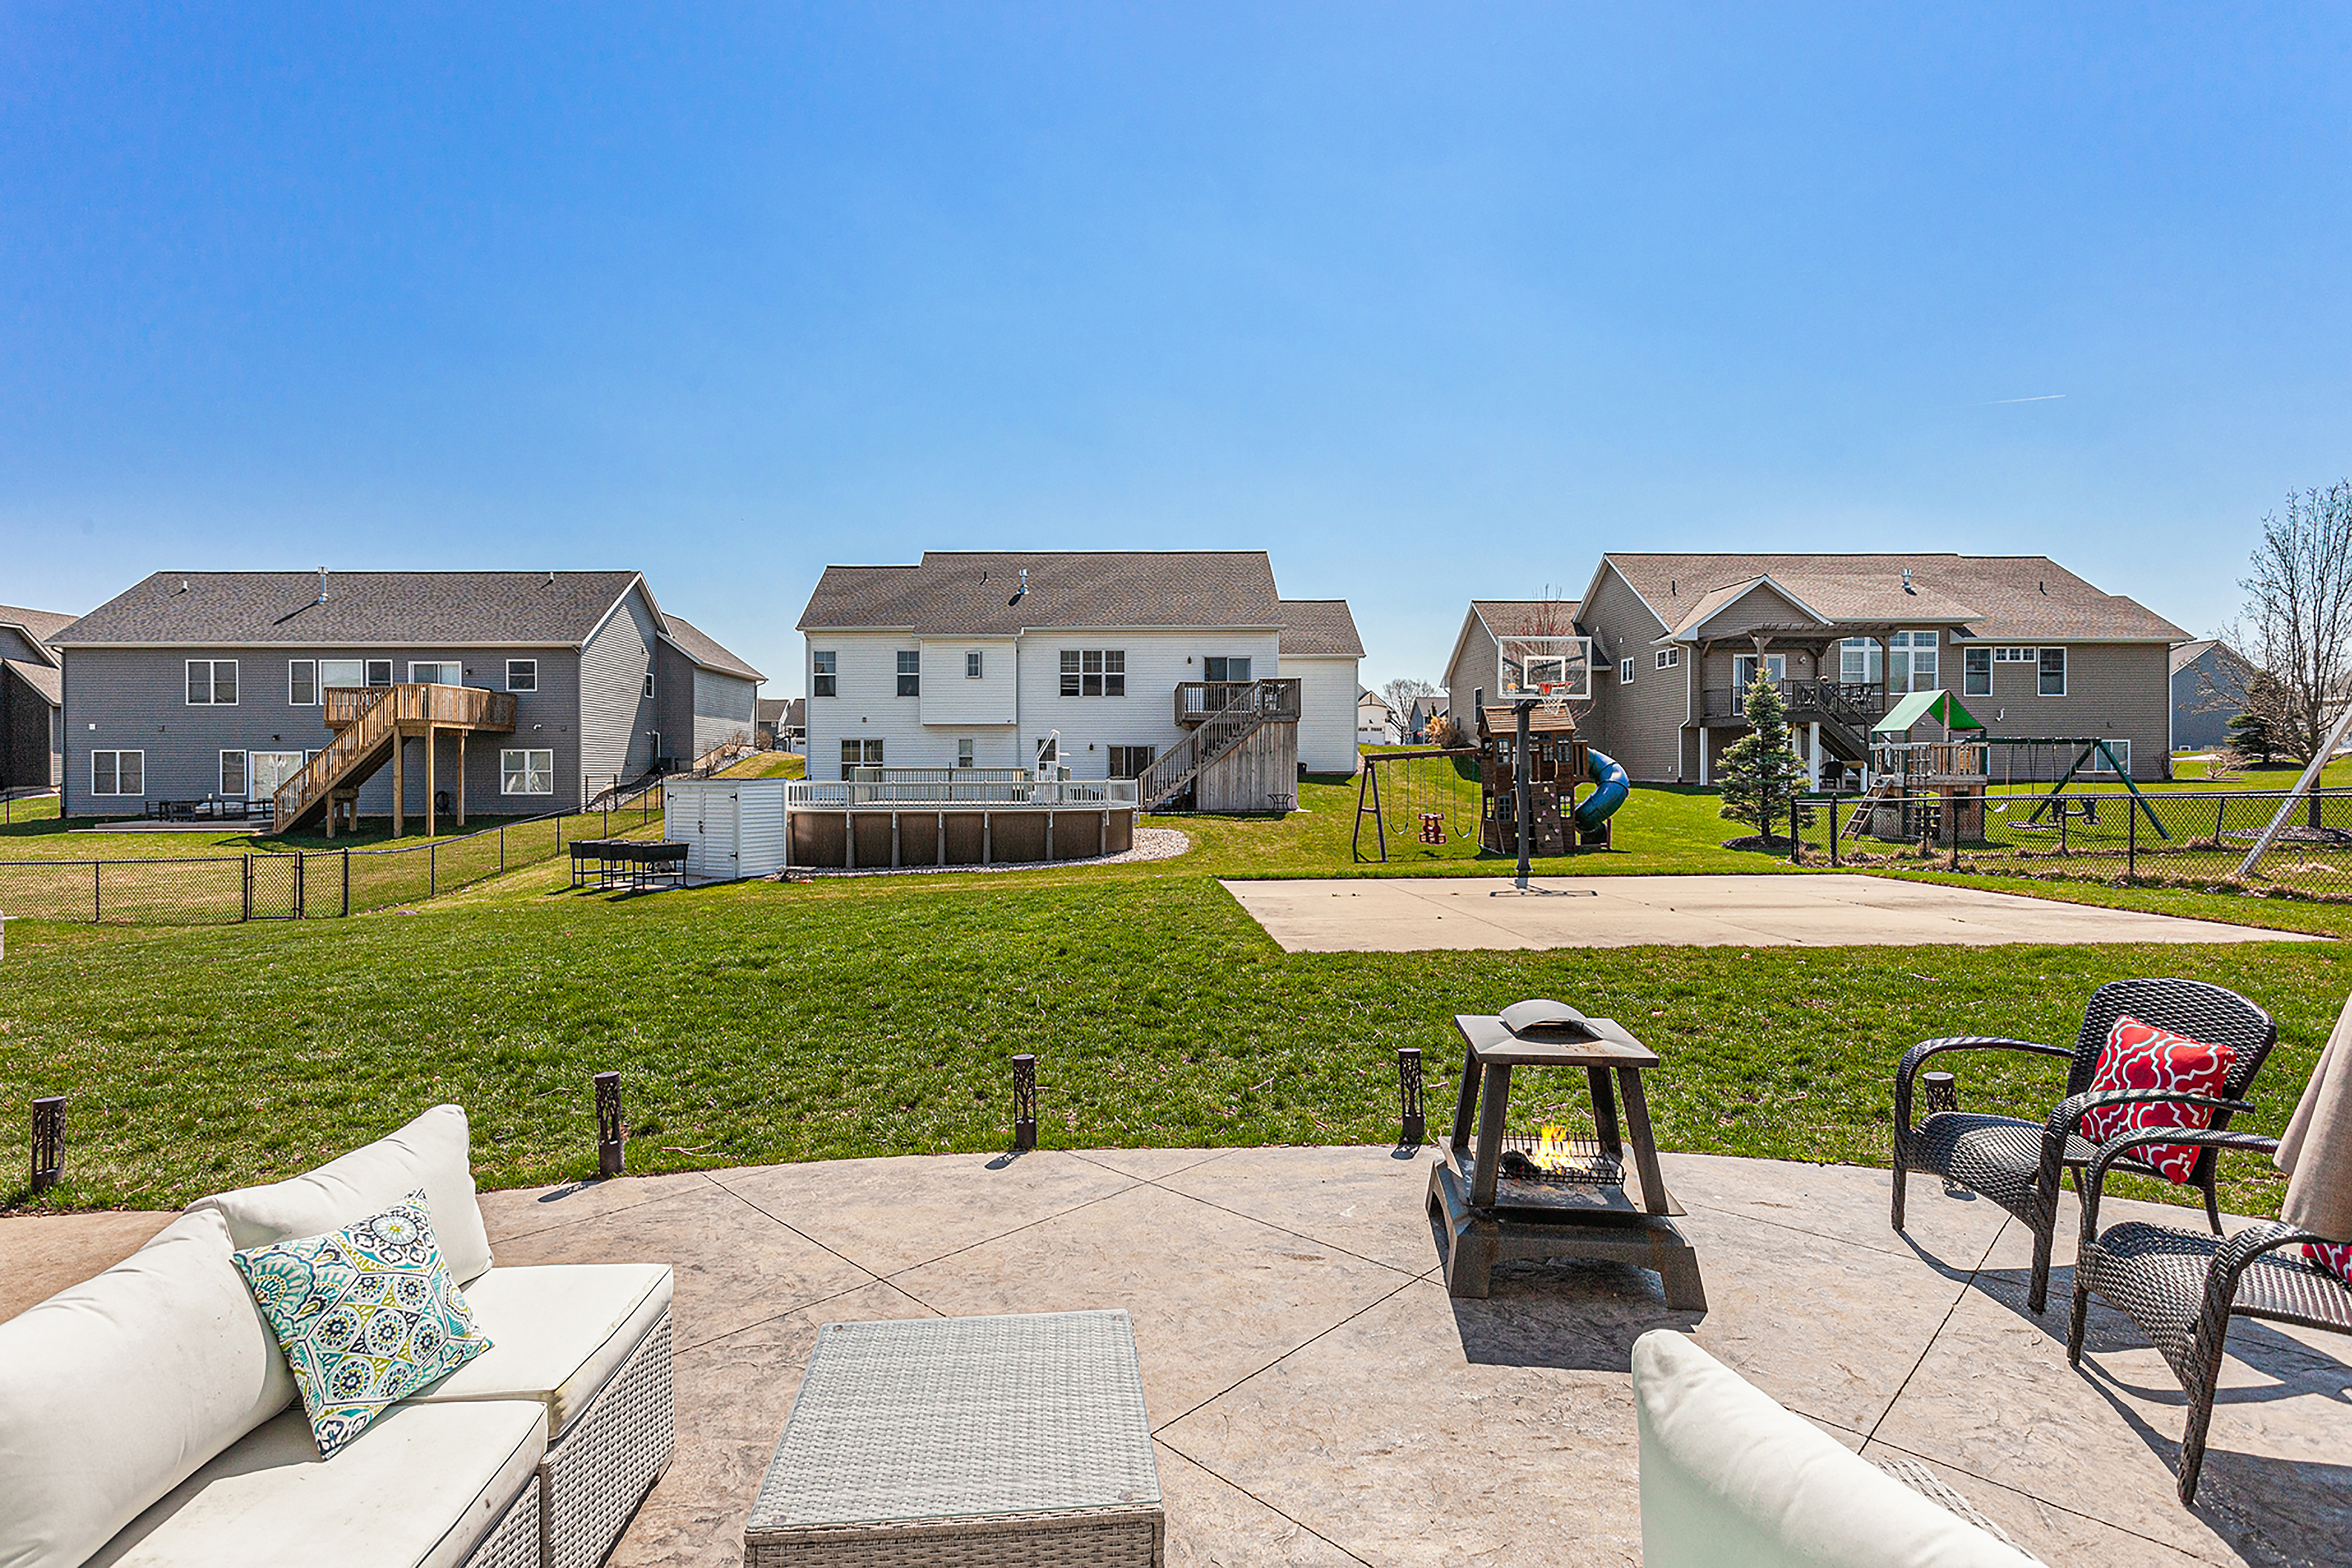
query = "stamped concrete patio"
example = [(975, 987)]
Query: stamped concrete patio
[(1318, 1399)]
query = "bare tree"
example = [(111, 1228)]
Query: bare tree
[(1400, 694), (2298, 624)]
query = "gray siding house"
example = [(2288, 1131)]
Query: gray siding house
[(2209, 690), (2033, 650), (192, 685), (30, 731)]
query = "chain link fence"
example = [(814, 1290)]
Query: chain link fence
[(295, 884), (2188, 838)]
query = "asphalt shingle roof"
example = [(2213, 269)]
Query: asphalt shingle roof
[(973, 592), (44, 624), (446, 609), (1320, 628), (42, 678), (2015, 597), (705, 650)]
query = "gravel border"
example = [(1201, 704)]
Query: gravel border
[(1151, 844)]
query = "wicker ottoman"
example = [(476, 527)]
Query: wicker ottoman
[(964, 1442)]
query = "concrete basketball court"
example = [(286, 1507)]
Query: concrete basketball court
[(1362, 914)]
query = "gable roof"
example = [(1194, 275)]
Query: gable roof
[(1320, 628), (1526, 617), (978, 593), (2026, 597), (41, 625), (704, 649), (438, 609), (2188, 653), (42, 678)]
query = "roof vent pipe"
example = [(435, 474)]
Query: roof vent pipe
[(1906, 582), (322, 585)]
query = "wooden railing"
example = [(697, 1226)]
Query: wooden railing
[(1856, 702), (1198, 701), (1240, 710), (365, 719)]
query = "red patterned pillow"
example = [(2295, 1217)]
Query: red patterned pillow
[(2334, 1257), (2141, 1056)]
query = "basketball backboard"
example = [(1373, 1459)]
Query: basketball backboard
[(1544, 668)]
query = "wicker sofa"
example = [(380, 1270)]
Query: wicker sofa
[(147, 1415)]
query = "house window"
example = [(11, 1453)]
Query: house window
[(2013, 655), (822, 673), (302, 683), (270, 771), (1102, 672), (436, 672), (1911, 662), (963, 753), (910, 672), (347, 673), (232, 773), (2051, 673), (526, 772), (1976, 671), (1668, 658), (118, 773), (860, 754), (1130, 761), (1861, 662), (1049, 751), (649, 682), (212, 683), (1743, 668), (523, 674), (379, 671), (1626, 672), (1225, 669), (972, 666)]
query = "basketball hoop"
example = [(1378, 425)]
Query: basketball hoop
[(1553, 702)]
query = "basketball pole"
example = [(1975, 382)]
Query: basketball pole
[(1519, 785)]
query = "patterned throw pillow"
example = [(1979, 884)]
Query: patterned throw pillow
[(366, 1315), (2333, 1256), (2141, 1056)]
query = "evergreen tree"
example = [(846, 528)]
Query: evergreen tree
[(1761, 773), (2255, 733)]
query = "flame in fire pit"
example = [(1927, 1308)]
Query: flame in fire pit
[(1554, 1151)]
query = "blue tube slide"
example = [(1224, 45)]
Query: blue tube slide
[(1609, 788)]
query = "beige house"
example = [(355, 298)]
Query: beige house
[(2034, 651)]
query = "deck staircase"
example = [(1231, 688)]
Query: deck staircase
[(369, 722), (1224, 715)]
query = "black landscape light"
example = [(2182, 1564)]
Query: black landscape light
[(1414, 1130), (49, 1141), (612, 1146), (1025, 1102)]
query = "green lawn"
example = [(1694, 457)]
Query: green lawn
[(847, 1017)]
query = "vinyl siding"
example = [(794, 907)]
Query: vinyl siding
[(1473, 669), (2112, 690), (28, 732), (137, 699), (1327, 713), (616, 717), (722, 707), (2213, 678), (1641, 724), (15, 644)]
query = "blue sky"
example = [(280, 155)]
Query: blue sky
[(1431, 302)]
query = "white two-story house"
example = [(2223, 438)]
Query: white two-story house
[(1102, 662)]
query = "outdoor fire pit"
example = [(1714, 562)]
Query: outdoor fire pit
[(1503, 1195)]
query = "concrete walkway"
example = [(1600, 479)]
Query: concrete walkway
[(1318, 1399), (1401, 914)]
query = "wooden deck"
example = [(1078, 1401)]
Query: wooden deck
[(369, 724)]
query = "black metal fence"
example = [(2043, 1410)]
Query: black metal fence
[(2195, 838), (295, 884)]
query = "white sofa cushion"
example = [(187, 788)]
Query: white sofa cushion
[(1728, 1476), (561, 1333), (114, 1390), (417, 1490), (430, 1152)]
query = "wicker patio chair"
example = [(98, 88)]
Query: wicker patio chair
[(2020, 1165), (2182, 1289)]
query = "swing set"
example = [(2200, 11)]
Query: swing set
[(1434, 800)]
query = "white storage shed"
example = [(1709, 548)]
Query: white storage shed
[(730, 827)]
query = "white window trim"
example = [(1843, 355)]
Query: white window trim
[(1626, 672), (529, 770), (1670, 658), (1968, 674), (975, 665), (416, 665), (2016, 655), (251, 771), (533, 687), (2065, 672), (367, 670), (324, 682), (316, 693), (825, 665), (649, 682), (212, 684), (244, 770), (118, 792)]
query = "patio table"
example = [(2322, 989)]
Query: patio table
[(964, 1441)]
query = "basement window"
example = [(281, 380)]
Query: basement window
[(525, 772), (118, 773)]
